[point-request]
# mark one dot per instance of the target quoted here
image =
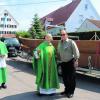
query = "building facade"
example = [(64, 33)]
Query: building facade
[(71, 16), (8, 25)]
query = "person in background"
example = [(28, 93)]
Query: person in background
[(45, 63), (69, 54), (3, 69)]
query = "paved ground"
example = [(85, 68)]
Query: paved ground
[(21, 85)]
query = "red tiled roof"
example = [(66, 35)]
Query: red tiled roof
[(62, 14), (8, 35), (95, 22)]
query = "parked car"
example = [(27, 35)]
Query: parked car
[(13, 46)]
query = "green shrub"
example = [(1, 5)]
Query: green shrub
[(23, 34)]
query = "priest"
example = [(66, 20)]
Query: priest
[(46, 67), (3, 70)]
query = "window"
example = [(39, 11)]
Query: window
[(5, 14), (13, 32), (8, 19), (8, 25), (1, 32), (5, 26), (2, 19), (81, 18), (7, 32), (86, 6), (15, 26), (11, 26), (1, 25)]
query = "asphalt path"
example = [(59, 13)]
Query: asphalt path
[(21, 84)]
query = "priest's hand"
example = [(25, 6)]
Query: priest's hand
[(38, 51)]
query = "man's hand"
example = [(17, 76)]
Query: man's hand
[(76, 64)]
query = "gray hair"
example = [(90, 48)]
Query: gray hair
[(49, 35)]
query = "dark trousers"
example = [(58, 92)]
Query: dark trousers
[(68, 75)]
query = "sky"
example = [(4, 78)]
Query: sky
[(24, 10)]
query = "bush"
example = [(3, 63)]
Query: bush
[(23, 34)]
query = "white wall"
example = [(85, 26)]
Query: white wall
[(80, 14)]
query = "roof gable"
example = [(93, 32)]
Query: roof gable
[(62, 14), (5, 11), (95, 22), (89, 25)]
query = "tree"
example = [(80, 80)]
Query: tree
[(32, 32), (36, 29)]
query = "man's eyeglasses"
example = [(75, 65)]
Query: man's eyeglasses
[(63, 34)]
